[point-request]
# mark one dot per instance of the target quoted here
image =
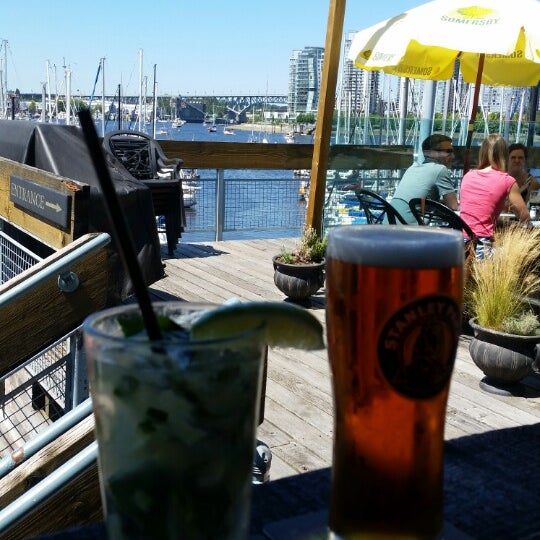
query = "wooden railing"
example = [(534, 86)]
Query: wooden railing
[(219, 155)]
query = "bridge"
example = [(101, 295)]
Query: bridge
[(194, 106), (236, 106)]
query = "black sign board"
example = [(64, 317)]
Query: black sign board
[(44, 202)]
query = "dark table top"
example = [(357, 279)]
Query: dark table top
[(492, 488)]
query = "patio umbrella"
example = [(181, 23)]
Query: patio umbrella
[(495, 42)]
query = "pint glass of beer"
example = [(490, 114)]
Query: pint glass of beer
[(393, 314)]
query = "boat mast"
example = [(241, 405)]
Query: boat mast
[(532, 108), (154, 104), (119, 114), (102, 60), (3, 80), (366, 100), (49, 102), (55, 93), (520, 116), (43, 102), (403, 106), (140, 87), (145, 101), (501, 110), (68, 95)]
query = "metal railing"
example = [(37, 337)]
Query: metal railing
[(53, 482), (44, 387), (236, 201)]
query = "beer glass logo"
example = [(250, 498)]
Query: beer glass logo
[(417, 346)]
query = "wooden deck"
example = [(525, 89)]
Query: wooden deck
[(298, 416)]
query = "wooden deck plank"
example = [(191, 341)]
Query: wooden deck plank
[(298, 421)]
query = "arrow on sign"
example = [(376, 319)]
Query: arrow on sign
[(55, 206)]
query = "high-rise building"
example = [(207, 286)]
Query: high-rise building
[(359, 92), (305, 69)]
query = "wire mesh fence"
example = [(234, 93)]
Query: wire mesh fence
[(251, 202), (40, 390), (14, 258)]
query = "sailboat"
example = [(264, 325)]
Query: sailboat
[(177, 122), (212, 128)]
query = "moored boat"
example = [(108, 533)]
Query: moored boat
[(189, 194), (190, 186)]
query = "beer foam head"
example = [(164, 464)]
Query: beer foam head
[(396, 246)]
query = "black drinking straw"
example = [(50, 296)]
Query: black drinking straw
[(124, 242)]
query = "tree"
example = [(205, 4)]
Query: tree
[(305, 118)]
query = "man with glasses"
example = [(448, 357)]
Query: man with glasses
[(430, 179)]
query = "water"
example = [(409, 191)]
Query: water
[(199, 132)]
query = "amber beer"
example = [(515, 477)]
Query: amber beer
[(393, 312)]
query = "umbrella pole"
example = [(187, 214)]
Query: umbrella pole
[(533, 107), (325, 115), (474, 110)]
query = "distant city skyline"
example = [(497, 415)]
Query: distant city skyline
[(206, 47)]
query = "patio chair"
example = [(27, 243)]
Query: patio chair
[(143, 158), (377, 208), (436, 214)]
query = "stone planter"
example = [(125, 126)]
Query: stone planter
[(298, 281), (504, 358)]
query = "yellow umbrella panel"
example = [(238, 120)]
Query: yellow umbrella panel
[(425, 42)]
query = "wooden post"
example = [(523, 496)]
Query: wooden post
[(325, 114)]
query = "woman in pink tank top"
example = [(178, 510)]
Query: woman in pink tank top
[(484, 191)]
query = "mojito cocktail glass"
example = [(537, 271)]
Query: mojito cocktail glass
[(175, 424)]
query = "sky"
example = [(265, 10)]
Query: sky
[(199, 47)]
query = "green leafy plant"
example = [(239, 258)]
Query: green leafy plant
[(524, 324), (311, 248), (497, 288)]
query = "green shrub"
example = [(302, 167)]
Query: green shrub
[(310, 249)]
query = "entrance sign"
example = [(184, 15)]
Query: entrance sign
[(45, 203)]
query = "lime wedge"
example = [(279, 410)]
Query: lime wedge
[(285, 325)]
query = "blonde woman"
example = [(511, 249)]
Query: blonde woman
[(484, 191)]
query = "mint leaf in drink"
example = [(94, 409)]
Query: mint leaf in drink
[(126, 386), (132, 326), (153, 419)]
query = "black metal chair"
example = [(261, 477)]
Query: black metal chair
[(143, 158), (377, 209), (436, 214)]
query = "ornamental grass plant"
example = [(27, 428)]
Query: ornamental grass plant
[(498, 287)]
